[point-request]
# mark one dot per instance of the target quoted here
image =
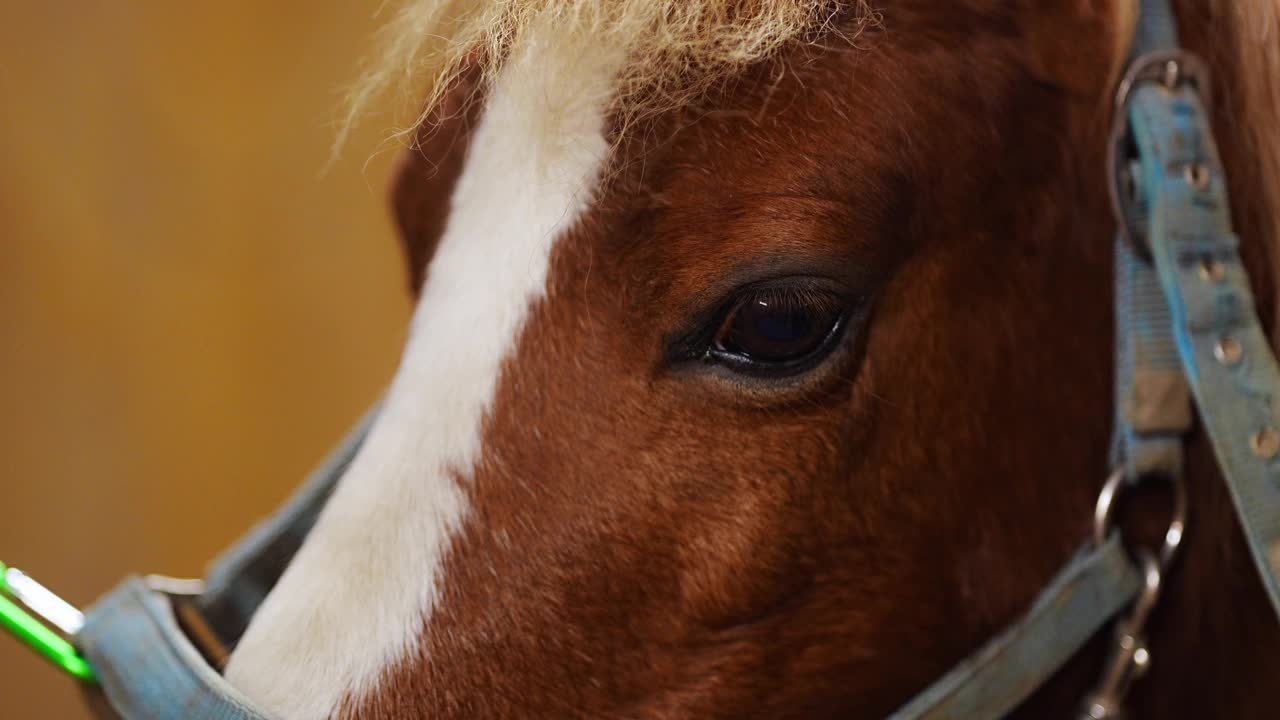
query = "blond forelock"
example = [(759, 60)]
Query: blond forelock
[(672, 50)]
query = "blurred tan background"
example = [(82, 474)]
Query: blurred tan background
[(190, 313)]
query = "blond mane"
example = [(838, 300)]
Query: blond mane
[(673, 50)]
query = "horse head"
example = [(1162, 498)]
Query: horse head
[(760, 367)]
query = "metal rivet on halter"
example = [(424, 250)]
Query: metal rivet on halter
[(1212, 271), (1172, 74), (1197, 175), (1265, 443), (1228, 350)]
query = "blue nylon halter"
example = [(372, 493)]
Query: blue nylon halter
[(1185, 328)]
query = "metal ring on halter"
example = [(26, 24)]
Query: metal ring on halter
[(1171, 69), (1177, 523)]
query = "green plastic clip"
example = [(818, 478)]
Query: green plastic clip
[(34, 633)]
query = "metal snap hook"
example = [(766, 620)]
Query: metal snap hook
[(1130, 658)]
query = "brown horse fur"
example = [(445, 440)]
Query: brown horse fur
[(652, 538)]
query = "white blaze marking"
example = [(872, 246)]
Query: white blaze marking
[(355, 599)]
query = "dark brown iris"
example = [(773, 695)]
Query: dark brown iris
[(778, 326)]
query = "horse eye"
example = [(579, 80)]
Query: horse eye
[(778, 326)]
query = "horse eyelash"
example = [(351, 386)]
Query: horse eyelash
[(793, 298)]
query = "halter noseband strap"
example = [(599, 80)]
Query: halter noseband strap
[(1186, 329), (148, 666)]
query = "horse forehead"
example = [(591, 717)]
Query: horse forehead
[(371, 572)]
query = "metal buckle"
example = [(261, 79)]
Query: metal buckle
[(1129, 657), (1171, 69), (35, 632)]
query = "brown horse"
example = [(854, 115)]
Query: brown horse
[(761, 366)]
